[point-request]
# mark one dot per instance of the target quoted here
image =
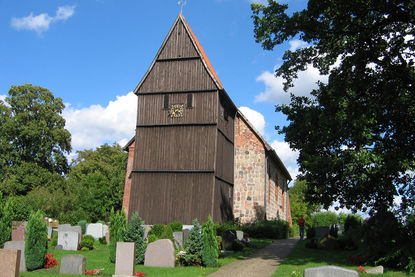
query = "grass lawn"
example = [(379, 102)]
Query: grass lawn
[(99, 259), (301, 258)]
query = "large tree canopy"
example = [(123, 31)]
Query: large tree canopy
[(355, 133), (33, 140)]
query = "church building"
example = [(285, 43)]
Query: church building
[(194, 153)]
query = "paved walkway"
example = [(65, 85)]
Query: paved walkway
[(262, 263)]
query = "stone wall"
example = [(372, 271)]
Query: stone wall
[(127, 185), (249, 187)]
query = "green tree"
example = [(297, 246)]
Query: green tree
[(194, 245), (210, 251), (36, 241), (135, 233), (355, 133), (97, 180), (33, 140), (6, 217), (118, 223), (298, 203)]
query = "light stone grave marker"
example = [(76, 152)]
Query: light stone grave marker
[(69, 240), (95, 230), (240, 235), (329, 271), (73, 264), (17, 245), (19, 234), (178, 239), (375, 270), (124, 259), (160, 253), (50, 232), (9, 262)]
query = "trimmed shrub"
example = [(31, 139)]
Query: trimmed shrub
[(88, 242), (151, 238), (134, 233), (103, 241), (274, 229), (194, 245), (6, 217), (157, 230), (82, 223), (167, 233), (176, 226), (221, 229), (54, 240), (351, 222), (36, 241), (118, 223), (324, 219), (310, 233), (210, 251)]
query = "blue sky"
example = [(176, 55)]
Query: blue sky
[(93, 53)]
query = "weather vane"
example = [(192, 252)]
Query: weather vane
[(181, 3)]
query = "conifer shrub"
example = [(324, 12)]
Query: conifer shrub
[(157, 230), (82, 223), (151, 238), (36, 241), (210, 251), (167, 233), (134, 233), (118, 223), (88, 242), (194, 245), (6, 217), (176, 226)]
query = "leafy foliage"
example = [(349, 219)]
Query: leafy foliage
[(36, 241), (118, 223), (362, 153), (273, 229), (176, 226), (134, 233), (324, 219), (82, 223), (194, 245), (97, 180), (210, 251), (87, 242), (33, 140), (157, 230), (5, 222)]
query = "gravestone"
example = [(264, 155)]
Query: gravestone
[(125, 259), (9, 262), (19, 234), (105, 229), (147, 229), (107, 237), (329, 271), (17, 245), (185, 235), (95, 230), (73, 264), (69, 240), (375, 270), (187, 227), (178, 239), (322, 231), (50, 232), (239, 235), (160, 253)]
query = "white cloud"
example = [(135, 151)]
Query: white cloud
[(263, 2), (40, 23), (256, 118), (274, 93), (296, 44), (95, 125), (2, 97), (287, 155)]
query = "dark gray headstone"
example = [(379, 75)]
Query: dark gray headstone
[(178, 239), (329, 271), (73, 264), (160, 253), (185, 235), (17, 245), (59, 247), (322, 231)]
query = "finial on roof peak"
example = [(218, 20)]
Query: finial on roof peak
[(181, 3)]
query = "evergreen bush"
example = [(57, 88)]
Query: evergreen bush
[(176, 226), (88, 242), (157, 230), (167, 233), (324, 219), (194, 245), (151, 238), (210, 251), (36, 241), (82, 223), (6, 217), (134, 233), (118, 223)]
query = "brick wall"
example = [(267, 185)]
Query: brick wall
[(127, 184), (249, 187)]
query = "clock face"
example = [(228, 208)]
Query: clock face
[(176, 110)]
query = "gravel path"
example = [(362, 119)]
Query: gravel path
[(262, 263)]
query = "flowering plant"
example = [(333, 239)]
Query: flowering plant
[(92, 272), (139, 274), (50, 261), (361, 269)]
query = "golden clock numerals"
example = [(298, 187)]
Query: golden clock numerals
[(176, 110)]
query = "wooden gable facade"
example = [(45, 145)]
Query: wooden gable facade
[(184, 144)]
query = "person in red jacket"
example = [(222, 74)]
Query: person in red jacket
[(301, 224)]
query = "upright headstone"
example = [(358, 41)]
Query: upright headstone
[(240, 235), (329, 271), (107, 237), (9, 263), (50, 232), (105, 229), (147, 229), (322, 231), (375, 270), (125, 259), (185, 235), (19, 234), (160, 253), (178, 239), (95, 230), (73, 264), (69, 240), (17, 245)]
